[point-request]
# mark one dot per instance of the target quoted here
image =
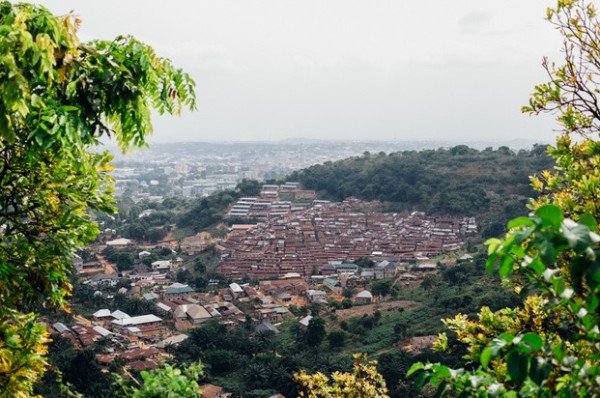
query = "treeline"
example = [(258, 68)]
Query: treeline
[(210, 210), (459, 181)]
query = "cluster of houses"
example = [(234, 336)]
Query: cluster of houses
[(273, 201), (306, 242)]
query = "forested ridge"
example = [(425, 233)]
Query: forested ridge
[(492, 184)]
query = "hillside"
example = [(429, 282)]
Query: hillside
[(457, 181)]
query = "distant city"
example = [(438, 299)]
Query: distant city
[(198, 169)]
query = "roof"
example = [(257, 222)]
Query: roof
[(173, 340), (137, 320), (331, 281), (101, 313), (164, 307), (266, 327), (235, 288), (60, 327), (306, 320), (364, 294), (119, 242), (101, 331), (179, 289), (150, 296), (118, 314), (196, 311)]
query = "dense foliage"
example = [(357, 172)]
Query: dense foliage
[(57, 98), (460, 180), (364, 381), (211, 209), (167, 382), (550, 345)]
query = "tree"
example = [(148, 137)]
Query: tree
[(336, 339), (315, 332), (381, 288), (549, 345), (58, 97), (168, 382), (363, 382)]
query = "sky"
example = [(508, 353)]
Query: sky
[(342, 69)]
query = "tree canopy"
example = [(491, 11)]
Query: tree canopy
[(58, 98), (548, 346)]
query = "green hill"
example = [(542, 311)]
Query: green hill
[(491, 184)]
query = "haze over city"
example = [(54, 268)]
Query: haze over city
[(358, 70)]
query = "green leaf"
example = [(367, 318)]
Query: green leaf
[(415, 368), (533, 340), (506, 266), (507, 337), (486, 356), (550, 215), (490, 263), (520, 222), (589, 221), (493, 244), (517, 366)]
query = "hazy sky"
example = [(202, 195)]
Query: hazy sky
[(342, 69)]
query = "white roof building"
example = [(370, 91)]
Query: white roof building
[(173, 340), (137, 320), (119, 242), (306, 320), (365, 294), (118, 314), (101, 331), (103, 313), (235, 288)]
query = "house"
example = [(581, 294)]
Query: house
[(328, 269), (305, 321), (346, 268), (145, 325), (426, 267), (331, 282), (385, 270), (273, 315), (292, 286), (195, 313), (172, 341), (368, 275), (121, 242), (316, 296), (164, 307), (104, 279), (103, 313), (266, 327), (178, 291), (284, 297), (236, 290), (150, 296), (161, 265), (364, 297), (143, 254), (118, 314), (101, 331)]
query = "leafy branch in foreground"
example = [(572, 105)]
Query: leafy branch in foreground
[(58, 97), (549, 346), (363, 382), (167, 382)]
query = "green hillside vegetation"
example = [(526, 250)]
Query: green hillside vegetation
[(490, 184)]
